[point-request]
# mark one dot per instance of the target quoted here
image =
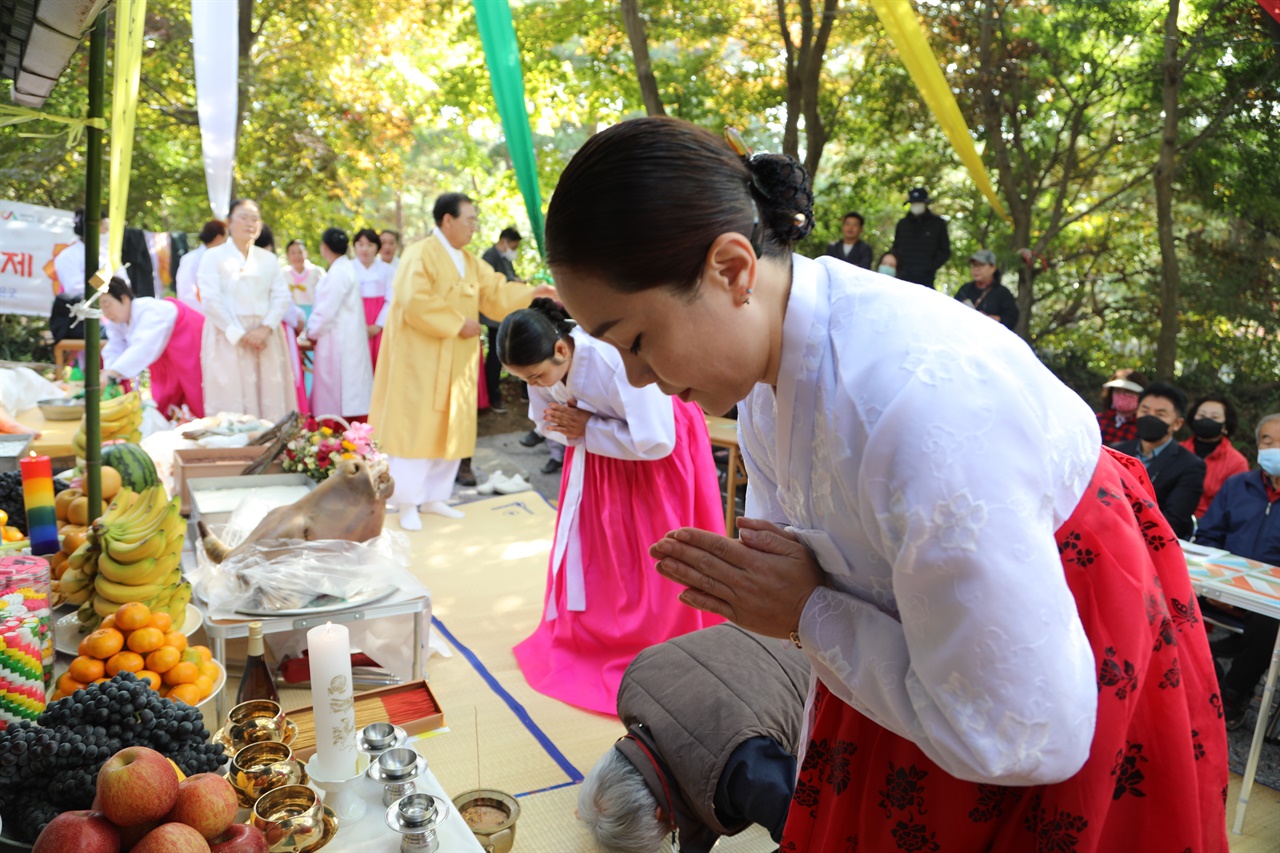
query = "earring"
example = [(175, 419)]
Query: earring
[(747, 301)]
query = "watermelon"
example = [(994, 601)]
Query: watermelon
[(137, 471)]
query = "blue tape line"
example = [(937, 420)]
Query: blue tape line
[(550, 788), (516, 708)]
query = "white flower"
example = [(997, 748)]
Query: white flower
[(966, 706), (959, 520), (1024, 744)]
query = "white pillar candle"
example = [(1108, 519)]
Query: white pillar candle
[(329, 654)]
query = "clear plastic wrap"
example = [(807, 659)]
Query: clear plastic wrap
[(290, 575)]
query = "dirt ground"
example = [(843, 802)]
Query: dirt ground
[(513, 420)]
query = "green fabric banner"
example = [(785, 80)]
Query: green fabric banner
[(502, 55)]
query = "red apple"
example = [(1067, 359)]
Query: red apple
[(137, 785), (131, 835), (172, 838), (207, 803), (82, 831), (240, 838)]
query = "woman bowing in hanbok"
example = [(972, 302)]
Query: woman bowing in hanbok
[(244, 353), (375, 276), (162, 335), (638, 464), (1006, 648), (343, 375)]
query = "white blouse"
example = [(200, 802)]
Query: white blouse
[(185, 284), (235, 286), (375, 281), (626, 423), (926, 457), (133, 347)]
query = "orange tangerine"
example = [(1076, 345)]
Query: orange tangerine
[(133, 615), (205, 685), (163, 659), (177, 639), (86, 669), (151, 677), (204, 652), (69, 685), (163, 621), (183, 673), (188, 693), (210, 670), (164, 691), (124, 662), (83, 648), (109, 622), (145, 640), (104, 642)]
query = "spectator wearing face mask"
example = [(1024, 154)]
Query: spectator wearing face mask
[(1213, 419), (920, 241), (1176, 473), (1119, 403), (888, 265)]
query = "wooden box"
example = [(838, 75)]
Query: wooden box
[(200, 462), (412, 707)]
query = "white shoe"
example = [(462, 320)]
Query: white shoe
[(512, 485), (490, 485), (409, 519), (442, 509)]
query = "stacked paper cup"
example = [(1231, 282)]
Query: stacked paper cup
[(24, 596), (22, 683)]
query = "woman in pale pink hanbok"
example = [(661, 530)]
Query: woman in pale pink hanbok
[(638, 465)]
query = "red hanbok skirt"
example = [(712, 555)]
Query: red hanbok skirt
[(176, 378), (1156, 776)]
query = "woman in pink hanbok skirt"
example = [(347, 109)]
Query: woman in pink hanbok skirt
[(638, 465), (162, 335)]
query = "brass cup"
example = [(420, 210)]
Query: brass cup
[(262, 767), (494, 834), (255, 722), (292, 818)]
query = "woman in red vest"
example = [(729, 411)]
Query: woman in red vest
[(1213, 419)]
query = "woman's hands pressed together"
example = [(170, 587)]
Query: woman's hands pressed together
[(567, 419), (761, 582)]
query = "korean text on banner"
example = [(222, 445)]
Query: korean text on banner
[(30, 237)]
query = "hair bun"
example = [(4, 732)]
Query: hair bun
[(551, 309), (781, 187)]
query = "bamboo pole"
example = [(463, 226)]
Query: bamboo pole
[(93, 213)]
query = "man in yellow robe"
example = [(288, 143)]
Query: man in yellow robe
[(423, 410)]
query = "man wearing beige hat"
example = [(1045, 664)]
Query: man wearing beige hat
[(1118, 420)]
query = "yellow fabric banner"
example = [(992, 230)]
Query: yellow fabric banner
[(130, 19), (908, 36)]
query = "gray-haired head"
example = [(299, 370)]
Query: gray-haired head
[(618, 808), (1266, 419)]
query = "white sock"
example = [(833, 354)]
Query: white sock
[(409, 519), (442, 509)]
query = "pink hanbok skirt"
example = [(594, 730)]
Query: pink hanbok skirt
[(579, 657), (482, 396), (176, 378), (372, 307), (299, 377)]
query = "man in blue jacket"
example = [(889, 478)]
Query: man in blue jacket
[(1244, 519)]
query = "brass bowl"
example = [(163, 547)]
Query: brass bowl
[(491, 816), (292, 818), (262, 767), (258, 721)]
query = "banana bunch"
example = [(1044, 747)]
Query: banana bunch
[(120, 417), (138, 545)]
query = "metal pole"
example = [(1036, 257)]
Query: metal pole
[(93, 213)]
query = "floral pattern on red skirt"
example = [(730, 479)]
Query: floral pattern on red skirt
[(1156, 776)]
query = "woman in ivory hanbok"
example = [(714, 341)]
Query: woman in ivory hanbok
[(243, 352), (638, 464), (343, 376), (375, 276), (1006, 648), (302, 275), (162, 335)]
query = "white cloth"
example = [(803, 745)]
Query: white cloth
[(420, 481), (303, 287), (234, 286), (341, 370), (926, 458), (69, 265), (627, 423), (132, 348), (375, 281), (455, 255), (185, 285), (395, 265)]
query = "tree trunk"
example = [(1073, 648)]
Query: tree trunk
[(1170, 280), (247, 36), (640, 50), (791, 130), (804, 80)]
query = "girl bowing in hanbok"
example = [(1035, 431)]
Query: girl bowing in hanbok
[(1006, 648), (343, 375), (375, 276), (162, 335), (638, 464)]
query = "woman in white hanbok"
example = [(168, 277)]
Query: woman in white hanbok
[(375, 276), (343, 374), (302, 275), (1006, 648), (160, 335), (244, 353)]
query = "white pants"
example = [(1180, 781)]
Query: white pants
[(420, 481)]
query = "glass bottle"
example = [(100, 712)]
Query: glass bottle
[(256, 683)]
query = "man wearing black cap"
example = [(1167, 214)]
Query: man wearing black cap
[(920, 242)]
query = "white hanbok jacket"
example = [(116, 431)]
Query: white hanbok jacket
[(131, 348), (926, 457), (630, 423), (185, 284), (376, 280), (341, 371)]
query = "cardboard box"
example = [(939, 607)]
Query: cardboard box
[(201, 462), (412, 707)]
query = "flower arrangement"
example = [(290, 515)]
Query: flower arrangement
[(318, 447)]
